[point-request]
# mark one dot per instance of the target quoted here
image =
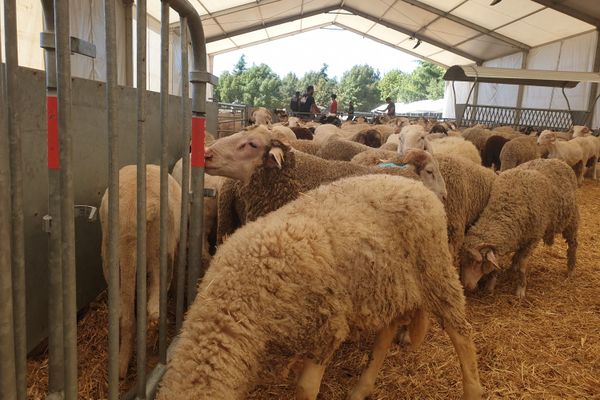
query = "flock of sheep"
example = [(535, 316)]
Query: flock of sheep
[(326, 232)]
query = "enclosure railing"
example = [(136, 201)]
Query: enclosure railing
[(231, 118), (469, 114), (59, 223)]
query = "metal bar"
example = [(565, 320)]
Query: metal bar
[(113, 200), (185, 173), (56, 370), (128, 42), (8, 377), (164, 173), (63, 69), (16, 190), (521, 90), (594, 87), (141, 292)]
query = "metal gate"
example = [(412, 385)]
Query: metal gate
[(59, 223)]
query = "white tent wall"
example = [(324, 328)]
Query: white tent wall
[(494, 94), (462, 92), (573, 54)]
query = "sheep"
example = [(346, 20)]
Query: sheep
[(368, 137), (303, 133), (439, 128), (127, 245), (478, 136), (518, 151), (415, 137), (569, 152), (393, 139), (261, 116), (330, 119), (531, 202), (283, 132), (373, 157), (271, 174), (326, 132), (305, 146), (582, 133), (308, 275), (491, 151), (341, 149), (293, 122), (389, 146), (209, 211)]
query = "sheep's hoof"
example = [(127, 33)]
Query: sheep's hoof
[(520, 292), (360, 392)]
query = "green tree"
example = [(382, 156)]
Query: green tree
[(261, 86), (324, 86), (240, 66), (392, 83), (289, 85), (360, 85), (230, 88)]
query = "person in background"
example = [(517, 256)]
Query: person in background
[(295, 103), (307, 103), (333, 105), (350, 111), (391, 108)]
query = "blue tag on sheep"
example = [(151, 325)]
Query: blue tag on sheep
[(391, 165)]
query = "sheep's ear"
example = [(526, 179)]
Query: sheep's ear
[(585, 130), (277, 153), (491, 257), (476, 255), (428, 147)]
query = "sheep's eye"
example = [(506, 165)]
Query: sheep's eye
[(252, 144), (430, 172)]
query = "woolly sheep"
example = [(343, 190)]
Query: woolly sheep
[(303, 133), (415, 137), (478, 136), (491, 151), (283, 132), (389, 146), (271, 174), (326, 132), (373, 157), (569, 152), (305, 146), (308, 275), (127, 249), (518, 151), (209, 210), (367, 137), (534, 201), (261, 116), (341, 149), (593, 143)]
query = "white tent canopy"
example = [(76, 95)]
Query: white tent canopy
[(416, 107)]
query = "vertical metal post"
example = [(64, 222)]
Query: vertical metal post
[(56, 370), (113, 200), (8, 378), (185, 172), (521, 91), (16, 190), (594, 87), (63, 72), (164, 173), (141, 295), (128, 42)]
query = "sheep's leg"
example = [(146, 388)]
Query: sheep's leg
[(578, 169), (153, 279), (519, 262), (365, 384), (128, 268), (467, 356), (570, 235), (310, 380), (490, 284)]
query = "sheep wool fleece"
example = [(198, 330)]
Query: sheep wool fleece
[(336, 261)]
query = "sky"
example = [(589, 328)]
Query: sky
[(307, 51)]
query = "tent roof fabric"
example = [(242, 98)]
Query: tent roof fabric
[(566, 79), (449, 31)]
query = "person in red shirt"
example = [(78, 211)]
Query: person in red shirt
[(333, 105)]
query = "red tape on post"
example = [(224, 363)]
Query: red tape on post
[(53, 148), (198, 135)]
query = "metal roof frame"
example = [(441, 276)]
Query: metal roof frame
[(562, 79), (558, 6)]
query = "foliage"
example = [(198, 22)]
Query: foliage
[(258, 85), (359, 85)]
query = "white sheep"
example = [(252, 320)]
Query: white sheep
[(311, 273), (583, 134), (127, 249), (261, 116), (568, 151), (326, 132), (415, 137)]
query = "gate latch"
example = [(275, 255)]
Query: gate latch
[(90, 212)]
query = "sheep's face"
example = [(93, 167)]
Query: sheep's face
[(413, 137), (475, 263), (239, 155), (426, 167), (546, 137)]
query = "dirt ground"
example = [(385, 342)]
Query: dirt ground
[(546, 346)]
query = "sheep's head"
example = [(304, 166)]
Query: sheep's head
[(239, 155), (426, 167), (413, 137), (369, 137), (546, 137), (476, 262), (580, 130), (438, 128)]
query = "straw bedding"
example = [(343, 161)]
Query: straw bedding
[(546, 346)]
